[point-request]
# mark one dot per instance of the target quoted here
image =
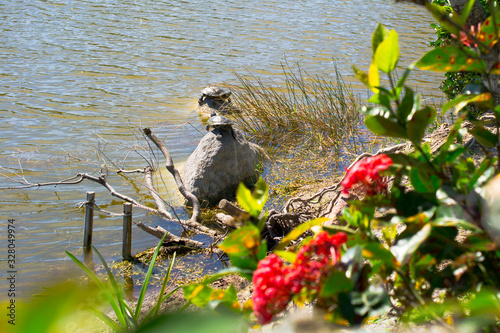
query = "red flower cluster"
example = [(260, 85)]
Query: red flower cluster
[(366, 174), (465, 39), (270, 295), (315, 259), (275, 283)]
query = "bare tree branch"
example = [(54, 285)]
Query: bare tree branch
[(170, 238), (169, 164), (160, 203)]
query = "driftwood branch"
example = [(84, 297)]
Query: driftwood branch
[(170, 239), (160, 203), (101, 179), (169, 164), (231, 209)]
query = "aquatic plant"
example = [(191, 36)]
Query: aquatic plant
[(307, 116), (128, 319)]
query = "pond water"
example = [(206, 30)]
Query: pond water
[(78, 78)]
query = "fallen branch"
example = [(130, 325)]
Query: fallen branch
[(231, 209), (160, 203), (226, 220), (159, 232), (169, 164)]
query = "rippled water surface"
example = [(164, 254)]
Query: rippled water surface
[(77, 78)]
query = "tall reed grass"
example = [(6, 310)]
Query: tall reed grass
[(309, 122), (306, 112)]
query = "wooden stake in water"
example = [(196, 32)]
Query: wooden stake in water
[(127, 231), (89, 220)]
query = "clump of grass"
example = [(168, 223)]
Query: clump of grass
[(308, 112), (308, 124)]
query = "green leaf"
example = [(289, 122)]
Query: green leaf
[(447, 152), (497, 112), (287, 255), (297, 231), (457, 100), (102, 287), (371, 80), (227, 298), (483, 173), (411, 161), (452, 215), (378, 36), (485, 304), (452, 59), (376, 251), (362, 76), (483, 101), (484, 137), (479, 243), (254, 202), (242, 242), (418, 121), (198, 294), (337, 228), (444, 17), (407, 105), (374, 78), (244, 247), (228, 271), (466, 11), (404, 248), (424, 182), (196, 322), (488, 34), (402, 80), (381, 98), (117, 290), (142, 293), (372, 302), (380, 121), (164, 285), (248, 262), (336, 283), (353, 260), (495, 68), (387, 54)]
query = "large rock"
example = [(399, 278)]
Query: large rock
[(221, 161)]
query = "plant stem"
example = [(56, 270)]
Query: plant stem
[(419, 298)]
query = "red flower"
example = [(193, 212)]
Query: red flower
[(270, 294), (366, 173), (465, 39), (315, 259), (275, 284)]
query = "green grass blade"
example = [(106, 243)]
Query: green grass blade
[(164, 285), (114, 284), (146, 280), (163, 299), (102, 287), (130, 314), (110, 322)]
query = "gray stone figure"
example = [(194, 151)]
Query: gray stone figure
[(214, 99), (221, 161)]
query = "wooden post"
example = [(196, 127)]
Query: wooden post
[(89, 220), (127, 231)]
